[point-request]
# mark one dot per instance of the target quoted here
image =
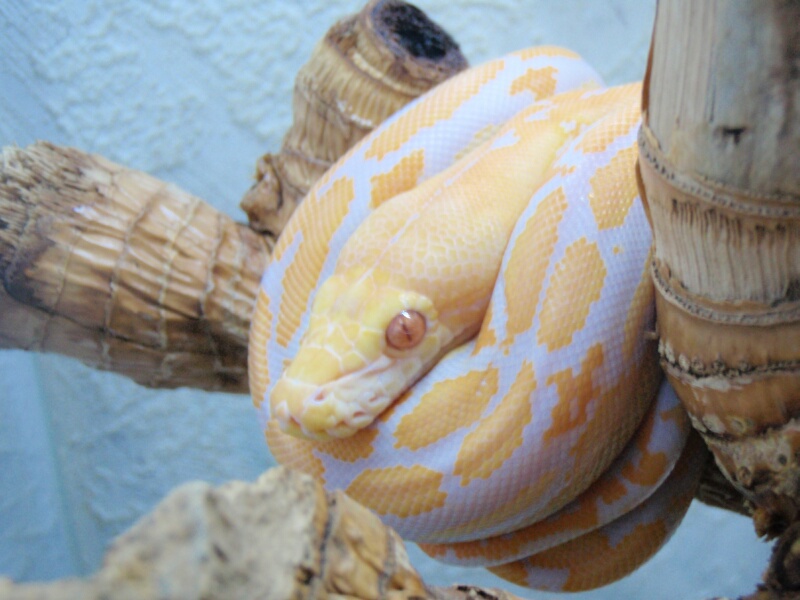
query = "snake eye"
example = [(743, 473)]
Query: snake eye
[(406, 330)]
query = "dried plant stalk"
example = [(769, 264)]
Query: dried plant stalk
[(123, 271), (719, 165), (205, 542), (365, 68)]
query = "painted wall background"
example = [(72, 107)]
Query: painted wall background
[(193, 92)]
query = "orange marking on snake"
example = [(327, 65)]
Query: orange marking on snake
[(304, 270), (521, 501), (403, 176), (514, 572), (529, 53), (257, 356), (540, 82), (574, 286), (651, 466), (400, 491), (615, 420), (581, 109), (442, 410), (678, 415), (575, 392), (423, 116), (563, 170), (612, 192), (583, 517), (643, 541), (356, 447), (486, 336), (527, 264), (598, 140), (485, 449), (613, 491)]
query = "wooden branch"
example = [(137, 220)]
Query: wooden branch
[(719, 165), (123, 271), (206, 542), (366, 68)]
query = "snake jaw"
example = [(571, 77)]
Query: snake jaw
[(335, 409)]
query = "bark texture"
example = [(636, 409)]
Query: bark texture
[(123, 271), (366, 67), (206, 542), (718, 160)]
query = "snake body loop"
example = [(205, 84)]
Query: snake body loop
[(453, 330)]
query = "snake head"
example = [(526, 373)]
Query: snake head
[(367, 341)]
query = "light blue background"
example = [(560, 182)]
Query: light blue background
[(193, 92)]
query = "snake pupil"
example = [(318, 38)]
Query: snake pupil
[(406, 330)]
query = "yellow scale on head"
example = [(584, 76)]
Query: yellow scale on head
[(392, 343)]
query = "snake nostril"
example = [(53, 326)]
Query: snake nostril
[(319, 396)]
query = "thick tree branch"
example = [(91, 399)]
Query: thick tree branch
[(123, 271), (205, 542)]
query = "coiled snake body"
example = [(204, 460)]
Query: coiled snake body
[(453, 330)]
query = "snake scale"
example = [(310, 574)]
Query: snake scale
[(454, 330)]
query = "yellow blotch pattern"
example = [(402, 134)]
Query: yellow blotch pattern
[(574, 286), (400, 491), (356, 447), (677, 414), (495, 549), (540, 82), (528, 262), (318, 219), (599, 139), (612, 192), (590, 559), (618, 411), (293, 452), (257, 354), (486, 336), (652, 465), (612, 490), (575, 394), (583, 109), (403, 176), (496, 437), (650, 469), (450, 405), (522, 501), (427, 114), (533, 52)]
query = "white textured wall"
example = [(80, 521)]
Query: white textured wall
[(193, 91)]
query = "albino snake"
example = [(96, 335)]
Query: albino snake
[(454, 330)]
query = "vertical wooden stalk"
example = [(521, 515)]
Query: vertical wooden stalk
[(366, 67), (720, 170)]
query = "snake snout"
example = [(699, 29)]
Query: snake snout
[(317, 412)]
